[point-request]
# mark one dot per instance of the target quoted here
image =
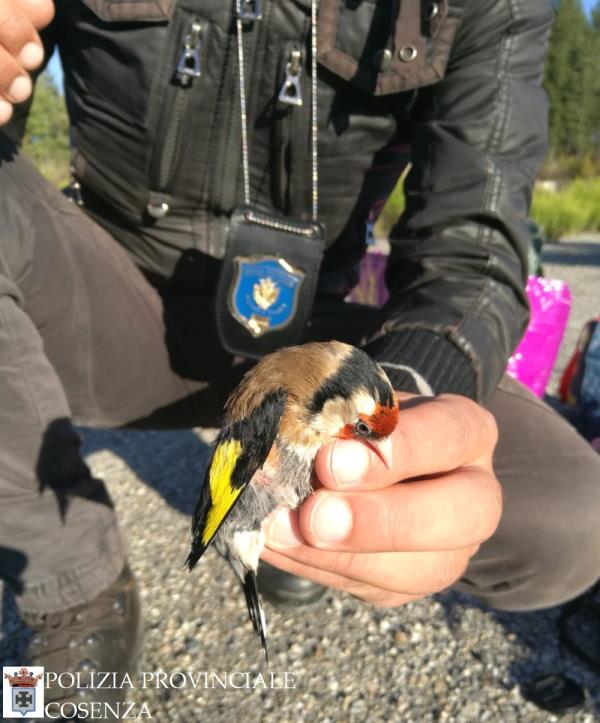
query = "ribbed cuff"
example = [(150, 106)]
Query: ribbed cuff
[(423, 362)]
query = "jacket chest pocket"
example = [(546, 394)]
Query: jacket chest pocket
[(387, 46), (114, 53), (131, 10)]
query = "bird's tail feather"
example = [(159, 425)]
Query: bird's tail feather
[(255, 609), (197, 550)]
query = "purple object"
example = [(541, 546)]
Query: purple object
[(534, 358), (371, 288)]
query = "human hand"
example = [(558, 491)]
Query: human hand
[(21, 49), (389, 543)]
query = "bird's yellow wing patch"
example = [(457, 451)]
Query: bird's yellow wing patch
[(222, 492)]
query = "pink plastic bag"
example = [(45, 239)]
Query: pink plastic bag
[(534, 358)]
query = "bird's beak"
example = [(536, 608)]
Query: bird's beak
[(384, 450)]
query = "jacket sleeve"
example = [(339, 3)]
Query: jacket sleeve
[(458, 264)]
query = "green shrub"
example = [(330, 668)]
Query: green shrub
[(573, 209)]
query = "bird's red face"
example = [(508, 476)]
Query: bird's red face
[(375, 430), (381, 423), (383, 420)]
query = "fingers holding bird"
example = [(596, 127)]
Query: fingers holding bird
[(369, 593), (376, 577), (377, 550), (456, 510), (382, 541)]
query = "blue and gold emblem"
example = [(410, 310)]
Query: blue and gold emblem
[(264, 293)]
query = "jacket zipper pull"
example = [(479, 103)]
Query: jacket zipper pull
[(250, 10), (189, 66), (291, 90)]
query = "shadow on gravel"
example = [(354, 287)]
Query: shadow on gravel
[(573, 253), (14, 636), (171, 462), (534, 637)]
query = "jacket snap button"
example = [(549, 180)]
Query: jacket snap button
[(158, 210), (408, 53), (382, 59)]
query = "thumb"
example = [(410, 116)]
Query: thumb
[(349, 464)]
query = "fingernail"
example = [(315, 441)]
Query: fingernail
[(281, 531), (20, 89), (31, 55), (331, 519), (5, 112), (350, 462)]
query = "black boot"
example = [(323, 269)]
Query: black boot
[(282, 588), (104, 635)]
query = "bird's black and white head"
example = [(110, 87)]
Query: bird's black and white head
[(354, 401)]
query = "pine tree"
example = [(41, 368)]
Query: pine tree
[(595, 49), (595, 16), (571, 80), (46, 139)]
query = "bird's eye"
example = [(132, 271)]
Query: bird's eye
[(362, 429)]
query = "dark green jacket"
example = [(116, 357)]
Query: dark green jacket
[(457, 79)]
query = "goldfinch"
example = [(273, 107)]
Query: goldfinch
[(285, 408)]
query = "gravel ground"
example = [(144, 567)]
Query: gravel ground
[(442, 659)]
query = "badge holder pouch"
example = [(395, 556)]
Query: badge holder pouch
[(269, 272)]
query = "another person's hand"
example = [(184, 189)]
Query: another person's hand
[(390, 543), (21, 49)]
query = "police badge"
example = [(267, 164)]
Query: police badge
[(268, 281)]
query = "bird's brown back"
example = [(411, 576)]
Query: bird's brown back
[(299, 370)]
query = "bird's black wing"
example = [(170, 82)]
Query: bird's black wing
[(241, 449)]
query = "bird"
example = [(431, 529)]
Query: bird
[(292, 402)]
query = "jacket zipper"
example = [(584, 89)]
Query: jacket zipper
[(291, 97), (188, 69)]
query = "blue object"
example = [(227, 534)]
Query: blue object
[(589, 390), (264, 294)]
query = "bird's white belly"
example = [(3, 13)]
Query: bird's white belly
[(247, 546)]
